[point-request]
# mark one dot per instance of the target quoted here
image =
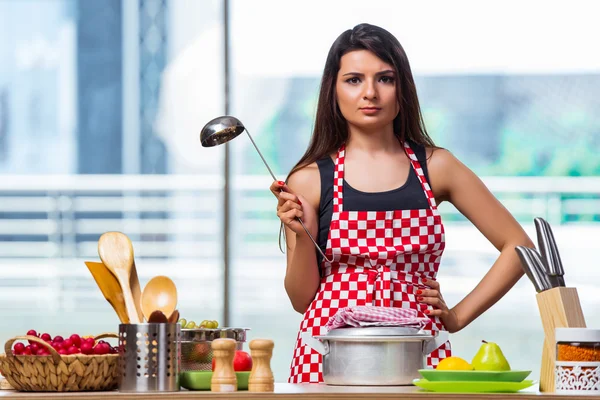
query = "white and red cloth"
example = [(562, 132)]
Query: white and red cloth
[(379, 258), (365, 316)]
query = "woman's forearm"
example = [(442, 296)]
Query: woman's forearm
[(503, 275), (302, 276)]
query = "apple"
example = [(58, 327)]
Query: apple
[(241, 361)]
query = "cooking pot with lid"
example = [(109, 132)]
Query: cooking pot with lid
[(373, 356)]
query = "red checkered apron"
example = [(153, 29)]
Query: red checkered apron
[(379, 258)]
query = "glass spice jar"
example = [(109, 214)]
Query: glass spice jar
[(577, 365), (577, 344)]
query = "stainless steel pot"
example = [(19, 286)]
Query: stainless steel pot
[(373, 356)]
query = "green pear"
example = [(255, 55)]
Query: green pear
[(490, 358)]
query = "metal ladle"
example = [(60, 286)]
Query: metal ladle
[(223, 129)]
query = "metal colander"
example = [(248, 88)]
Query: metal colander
[(196, 346)]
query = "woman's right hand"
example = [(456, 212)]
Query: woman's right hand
[(289, 206)]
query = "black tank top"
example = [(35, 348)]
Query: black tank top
[(409, 196)]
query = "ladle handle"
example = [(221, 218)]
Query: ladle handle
[(298, 218), (313, 240), (261, 156), (311, 236)]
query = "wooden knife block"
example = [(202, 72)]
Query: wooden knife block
[(559, 308)]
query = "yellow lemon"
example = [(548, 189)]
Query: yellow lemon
[(454, 364)]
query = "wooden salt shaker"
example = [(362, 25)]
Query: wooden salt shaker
[(223, 377), (261, 377)]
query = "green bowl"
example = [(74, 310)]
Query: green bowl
[(200, 380)]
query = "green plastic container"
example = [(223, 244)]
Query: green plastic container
[(200, 380)]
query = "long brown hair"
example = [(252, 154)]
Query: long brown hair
[(331, 129)]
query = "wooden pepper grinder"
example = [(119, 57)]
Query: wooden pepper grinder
[(261, 377), (223, 378)]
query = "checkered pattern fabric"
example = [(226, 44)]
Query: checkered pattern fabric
[(364, 316), (379, 258)]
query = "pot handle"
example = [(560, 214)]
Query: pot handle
[(318, 346), (432, 344)]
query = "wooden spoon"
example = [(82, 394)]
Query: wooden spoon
[(116, 252), (109, 286), (157, 317), (159, 294), (174, 318), (136, 291)]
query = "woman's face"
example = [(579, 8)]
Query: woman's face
[(366, 90)]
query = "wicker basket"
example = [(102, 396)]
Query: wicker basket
[(59, 373)]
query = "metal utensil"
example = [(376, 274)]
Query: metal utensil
[(223, 129), (530, 270), (373, 356), (548, 257), (556, 260), (538, 267)]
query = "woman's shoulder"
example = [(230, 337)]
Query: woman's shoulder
[(439, 157), (443, 167), (307, 182)]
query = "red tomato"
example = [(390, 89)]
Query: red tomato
[(242, 361)]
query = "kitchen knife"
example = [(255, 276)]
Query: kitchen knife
[(538, 265), (530, 271), (560, 272), (547, 256)]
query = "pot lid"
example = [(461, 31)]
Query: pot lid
[(377, 331)]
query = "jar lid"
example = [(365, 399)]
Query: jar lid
[(577, 335)]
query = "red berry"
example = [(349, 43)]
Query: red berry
[(76, 339), (27, 351), (63, 352), (31, 332), (43, 352), (87, 348), (34, 348), (56, 346), (58, 338), (46, 337), (101, 348), (66, 344), (19, 347), (90, 340), (73, 350)]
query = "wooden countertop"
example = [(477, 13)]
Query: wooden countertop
[(293, 392)]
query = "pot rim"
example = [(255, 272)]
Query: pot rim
[(377, 331), (419, 338)]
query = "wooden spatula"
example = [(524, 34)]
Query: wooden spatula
[(110, 288)]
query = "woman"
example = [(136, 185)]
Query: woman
[(368, 188)]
